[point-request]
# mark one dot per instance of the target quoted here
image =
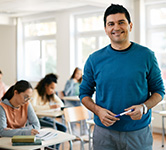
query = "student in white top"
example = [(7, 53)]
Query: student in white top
[(44, 98)]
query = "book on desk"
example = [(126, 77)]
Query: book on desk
[(44, 134), (23, 138), (20, 140), (37, 142)]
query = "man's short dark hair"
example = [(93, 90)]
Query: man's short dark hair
[(114, 9)]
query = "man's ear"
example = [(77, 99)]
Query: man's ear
[(15, 92), (131, 26)]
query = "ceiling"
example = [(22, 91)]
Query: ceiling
[(15, 8)]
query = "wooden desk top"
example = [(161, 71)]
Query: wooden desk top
[(61, 137), (71, 98), (50, 113)]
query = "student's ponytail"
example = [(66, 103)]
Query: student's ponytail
[(9, 94)]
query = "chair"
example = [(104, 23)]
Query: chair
[(75, 114), (60, 94), (91, 124), (162, 113)]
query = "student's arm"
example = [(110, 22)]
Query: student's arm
[(32, 119), (6, 132), (58, 101), (69, 87)]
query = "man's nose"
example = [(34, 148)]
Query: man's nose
[(116, 26)]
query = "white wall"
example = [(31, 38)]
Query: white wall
[(8, 53)]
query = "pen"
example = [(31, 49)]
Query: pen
[(121, 114)]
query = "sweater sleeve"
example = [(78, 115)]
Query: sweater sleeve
[(32, 119), (69, 88), (87, 86), (58, 101), (155, 82), (10, 132)]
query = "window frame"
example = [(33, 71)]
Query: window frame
[(40, 39), (154, 29), (87, 34)]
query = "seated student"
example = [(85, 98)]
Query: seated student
[(2, 86), (44, 98), (16, 111), (72, 87)]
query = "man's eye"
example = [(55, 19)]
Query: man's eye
[(121, 22), (110, 24)]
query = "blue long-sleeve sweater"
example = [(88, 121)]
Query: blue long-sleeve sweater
[(122, 79)]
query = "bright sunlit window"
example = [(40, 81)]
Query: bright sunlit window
[(89, 36), (156, 33), (158, 16), (40, 51), (91, 23), (39, 29)]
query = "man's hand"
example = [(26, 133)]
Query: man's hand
[(107, 117), (137, 113)]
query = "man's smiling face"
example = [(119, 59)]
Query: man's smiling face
[(118, 28)]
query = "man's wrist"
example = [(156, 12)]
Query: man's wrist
[(145, 108)]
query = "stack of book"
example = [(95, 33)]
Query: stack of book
[(20, 140)]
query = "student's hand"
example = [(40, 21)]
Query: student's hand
[(34, 132), (54, 106), (107, 117), (137, 113), (8, 128)]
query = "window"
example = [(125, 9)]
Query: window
[(156, 33), (40, 54), (89, 35)]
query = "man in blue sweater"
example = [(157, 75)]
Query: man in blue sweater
[(125, 76)]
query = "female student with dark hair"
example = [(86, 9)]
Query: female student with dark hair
[(44, 98), (16, 111), (72, 87)]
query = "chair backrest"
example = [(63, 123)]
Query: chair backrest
[(60, 94), (73, 114)]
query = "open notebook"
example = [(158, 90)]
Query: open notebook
[(46, 134)]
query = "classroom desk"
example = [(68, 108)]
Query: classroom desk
[(53, 113), (5, 142), (74, 98), (71, 98)]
